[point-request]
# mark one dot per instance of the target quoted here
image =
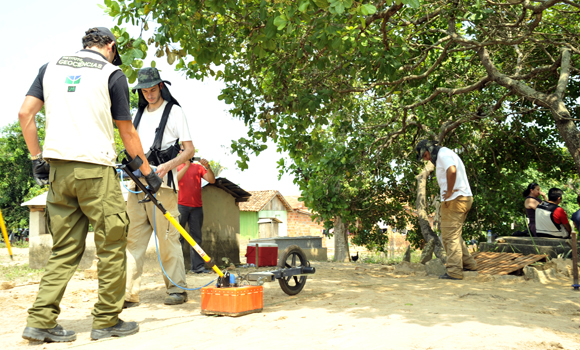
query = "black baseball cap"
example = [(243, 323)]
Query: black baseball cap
[(106, 32)]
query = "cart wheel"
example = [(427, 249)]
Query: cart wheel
[(293, 256)]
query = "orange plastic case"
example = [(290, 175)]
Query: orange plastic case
[(235, 301)]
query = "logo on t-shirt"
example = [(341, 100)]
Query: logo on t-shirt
[(71, 81), (80, 62)]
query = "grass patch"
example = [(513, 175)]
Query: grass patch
[(15, 245), (20, 273), (383, 258)]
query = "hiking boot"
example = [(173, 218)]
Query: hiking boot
[(130, 304), (202, 270), (447, 277), (56, 334), (121, 329), (175, 299)]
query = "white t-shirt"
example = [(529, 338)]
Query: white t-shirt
[(176, 128), (445, 159)]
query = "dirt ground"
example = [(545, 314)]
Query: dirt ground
[(343, 306)]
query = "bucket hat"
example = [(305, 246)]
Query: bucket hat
[(425, 145), (148, 77)]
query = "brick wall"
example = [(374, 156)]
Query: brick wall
[(300, 224)]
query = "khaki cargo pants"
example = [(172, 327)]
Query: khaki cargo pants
[(453, 214), (140, 232), (79, 194)]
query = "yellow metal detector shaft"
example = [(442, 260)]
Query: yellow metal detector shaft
[(133, 165), (188, 238), (5, 234)]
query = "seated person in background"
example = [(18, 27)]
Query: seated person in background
[(532, 195), (551, 220)]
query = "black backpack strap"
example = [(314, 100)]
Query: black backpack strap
[(141, 105), (159, 137), (161, 129), (138, 117), (170, 181)]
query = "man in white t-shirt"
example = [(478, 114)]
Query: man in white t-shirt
[(154, 98), (456, 201)]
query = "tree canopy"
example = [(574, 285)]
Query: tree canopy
[(348, 87), (16, 182)]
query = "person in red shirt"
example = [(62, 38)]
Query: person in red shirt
[(189, 202)]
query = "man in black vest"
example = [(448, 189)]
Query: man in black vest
[(551, 220), (161, 123)]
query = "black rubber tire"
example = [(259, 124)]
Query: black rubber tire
[(292, 256)]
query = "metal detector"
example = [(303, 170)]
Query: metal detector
[(129, 166), (293, 266)]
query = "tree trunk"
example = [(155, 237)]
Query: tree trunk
[(437, 217), (433, 243), (407, 256), (341, 252)]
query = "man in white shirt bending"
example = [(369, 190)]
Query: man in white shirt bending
[(456, 201)]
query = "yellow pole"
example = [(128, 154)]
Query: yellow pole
[(188, 238), (5, 234)]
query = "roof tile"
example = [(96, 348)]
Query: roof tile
[(260, 198)]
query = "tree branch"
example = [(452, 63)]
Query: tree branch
[(385, 15), (564, 73), (571, 3), (542, 6), (450, 91), (505, 81), (404, 79)]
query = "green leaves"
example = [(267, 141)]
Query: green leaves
[(16, 182), (323, 4), (338, 6), (280, 21), (413, 3), (368, 9), (113, 8)]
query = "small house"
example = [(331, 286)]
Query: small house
[(264, 205)]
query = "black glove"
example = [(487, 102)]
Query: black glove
[(154, 181), (40, 171)]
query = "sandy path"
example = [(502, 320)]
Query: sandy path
[(345, 306)]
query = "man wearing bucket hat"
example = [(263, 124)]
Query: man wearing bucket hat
[(456, 201), (82, 93), (161, 124)]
